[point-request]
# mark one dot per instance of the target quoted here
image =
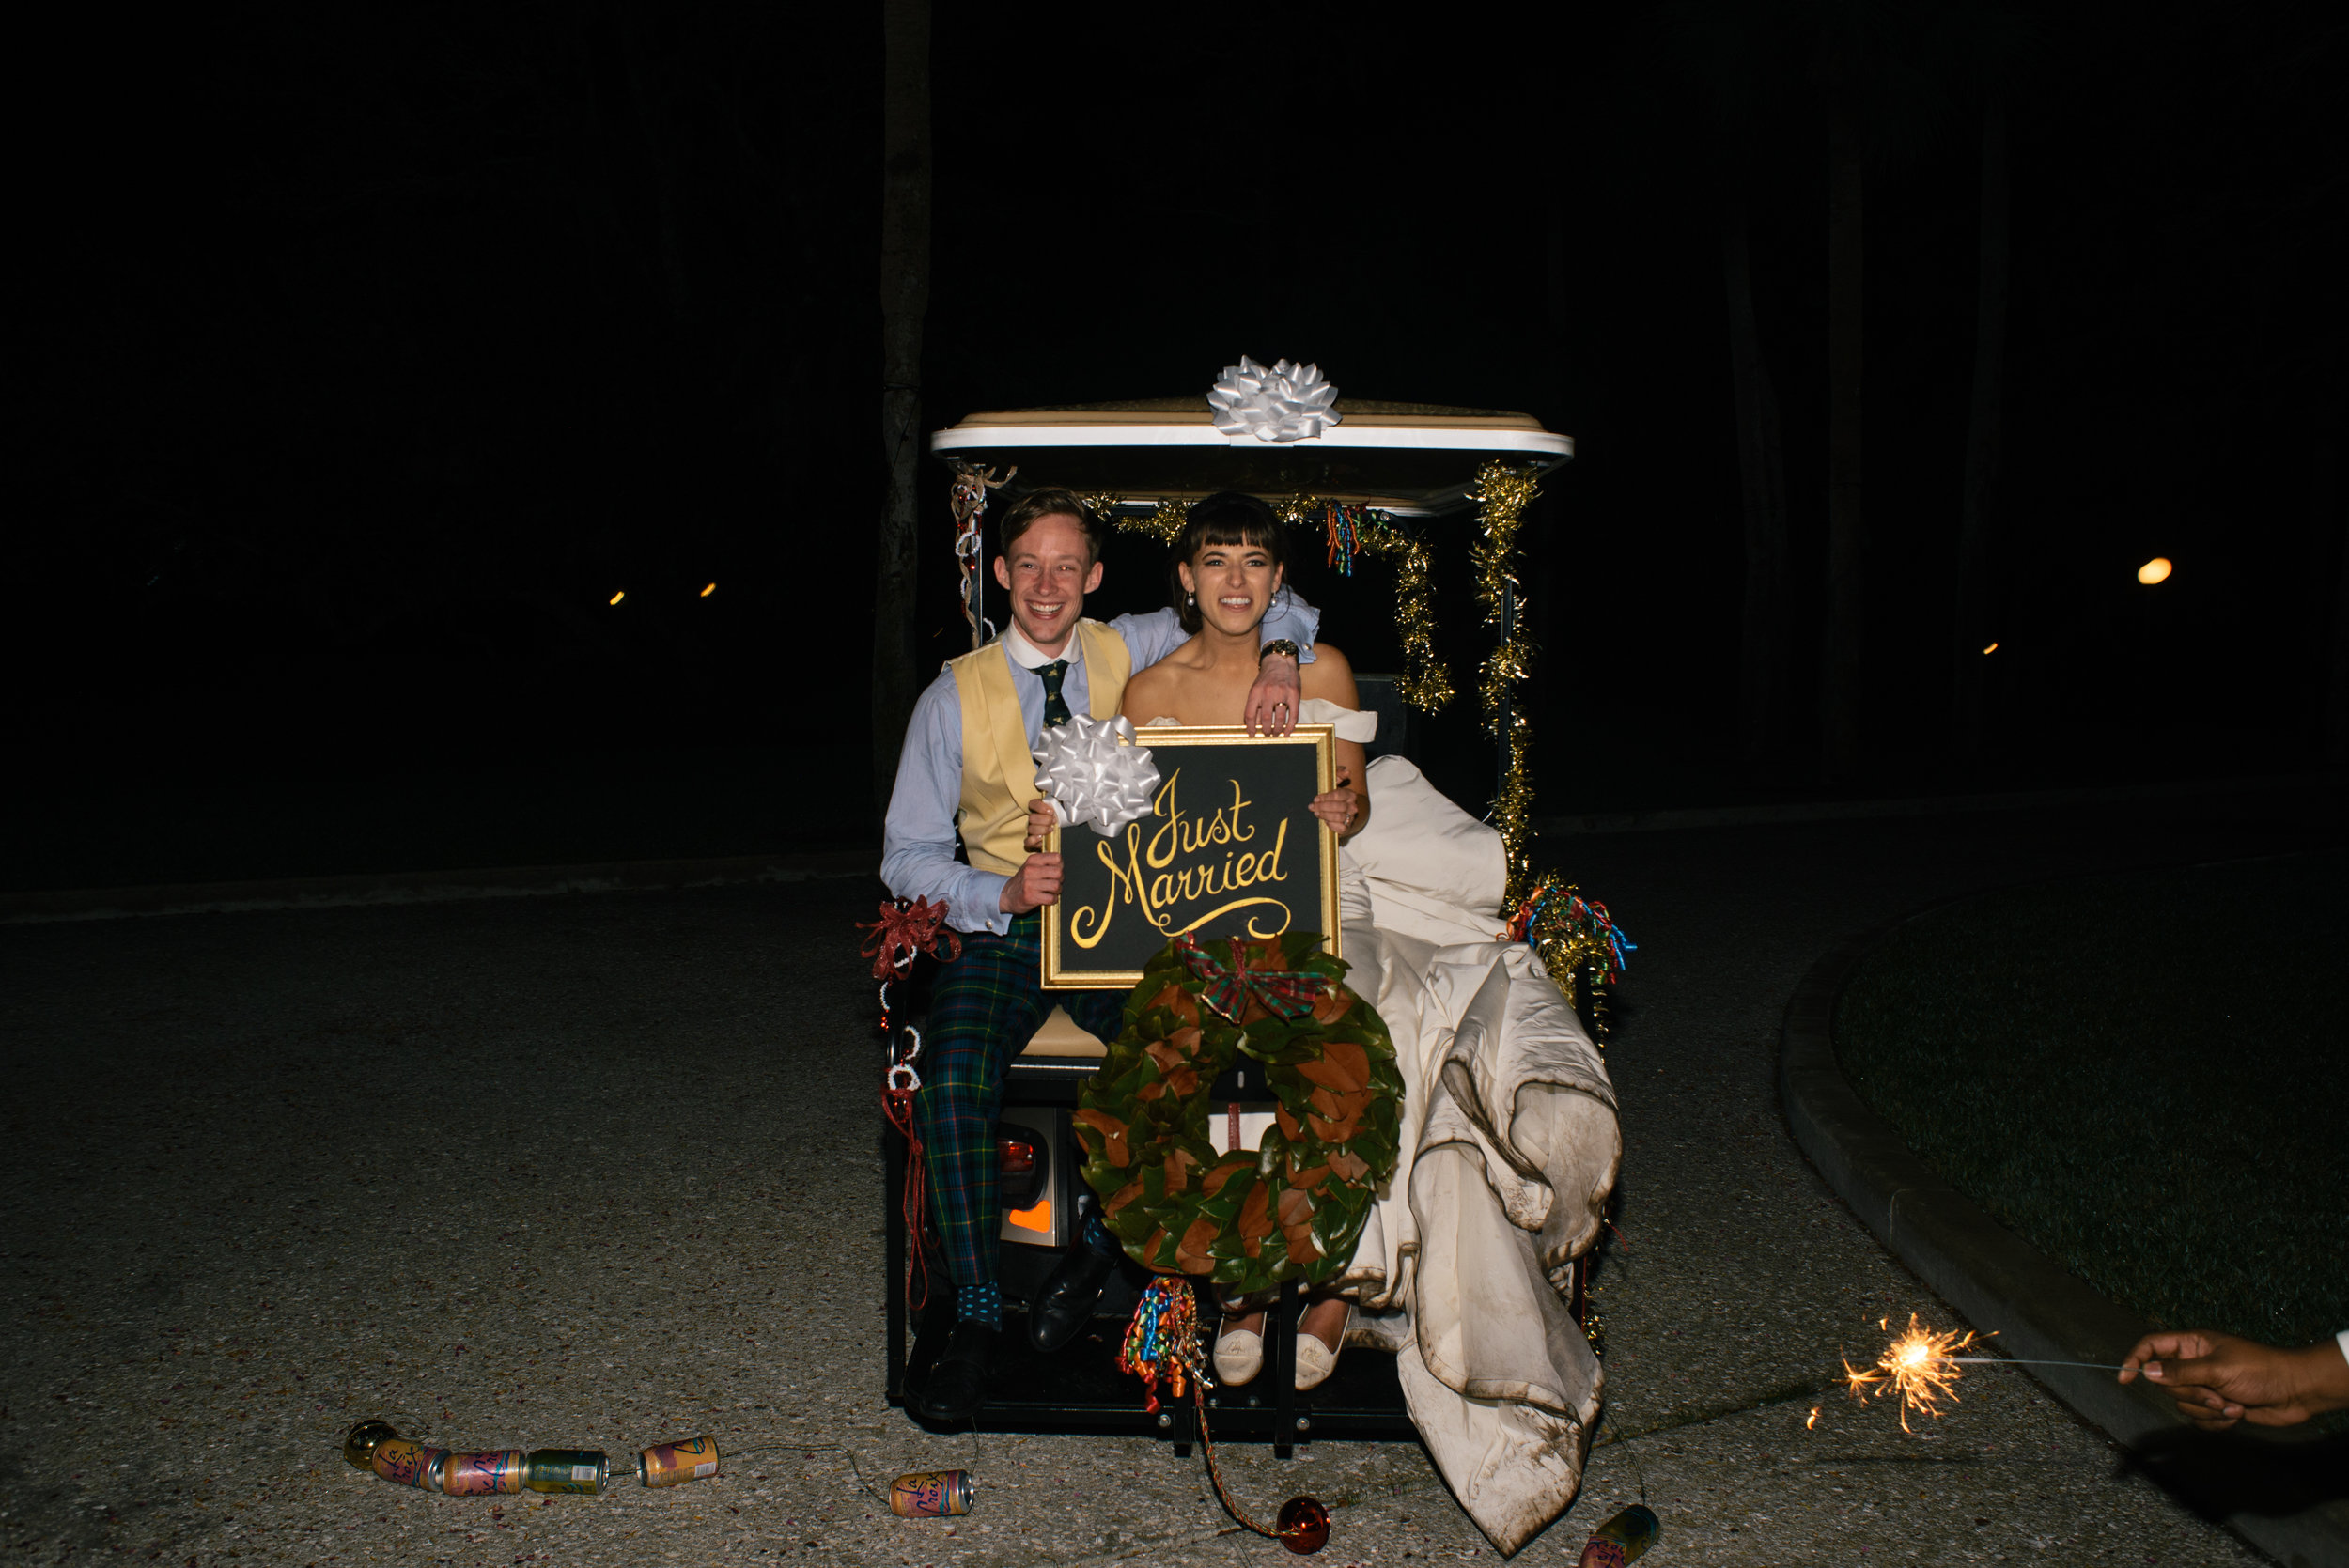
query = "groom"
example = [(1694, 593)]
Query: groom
[(966, 769)]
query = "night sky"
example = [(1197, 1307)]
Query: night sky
[(359, 356)]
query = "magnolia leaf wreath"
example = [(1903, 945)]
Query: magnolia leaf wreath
[(1294, 1206)]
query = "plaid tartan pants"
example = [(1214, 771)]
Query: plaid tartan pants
[(983, 1008)]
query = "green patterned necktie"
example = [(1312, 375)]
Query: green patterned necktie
[(1055, 705)]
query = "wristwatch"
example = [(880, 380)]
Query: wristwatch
[(1279, 644)]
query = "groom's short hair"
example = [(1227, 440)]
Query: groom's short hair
[(1052, 501)]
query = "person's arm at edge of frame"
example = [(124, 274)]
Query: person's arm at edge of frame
[(918, 836)]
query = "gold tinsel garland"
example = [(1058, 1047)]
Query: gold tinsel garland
[(1162, 523), (1426, 685), (1501, 495)]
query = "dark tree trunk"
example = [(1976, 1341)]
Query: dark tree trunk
[(1839, 664), (1762, 683), (1972, 622), (905, 292)]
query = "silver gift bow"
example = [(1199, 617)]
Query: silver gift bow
[(1288, 403), (1093, 772)]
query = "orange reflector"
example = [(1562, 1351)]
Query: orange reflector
[(1036, 1219)]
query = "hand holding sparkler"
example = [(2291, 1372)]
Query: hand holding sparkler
[(2219, 1380)]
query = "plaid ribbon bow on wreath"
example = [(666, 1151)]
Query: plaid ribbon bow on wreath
[(1287, 993)]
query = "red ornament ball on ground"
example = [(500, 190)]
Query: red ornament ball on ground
[(1302, 1526)]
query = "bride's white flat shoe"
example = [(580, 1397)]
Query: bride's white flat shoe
[(1239, 1356), (1315, 1360)]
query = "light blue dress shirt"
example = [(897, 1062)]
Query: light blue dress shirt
[(918, 839)]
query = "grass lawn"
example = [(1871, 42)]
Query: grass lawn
[(2146, 1076)]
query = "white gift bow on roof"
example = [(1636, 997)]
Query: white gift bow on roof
[(1288, 403)]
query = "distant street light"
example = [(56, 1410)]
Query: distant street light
[(707, 592), (2154, 570), (1992, 648), (617, 598)]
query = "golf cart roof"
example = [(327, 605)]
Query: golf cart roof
[(1413, 459)]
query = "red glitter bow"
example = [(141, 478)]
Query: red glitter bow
[(1290, 993), (903, 930)]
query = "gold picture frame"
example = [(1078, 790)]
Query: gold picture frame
[(1104, 905)]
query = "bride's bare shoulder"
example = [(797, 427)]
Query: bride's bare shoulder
[(1146, 685)]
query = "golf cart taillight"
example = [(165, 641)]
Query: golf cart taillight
[(1017, 1156)]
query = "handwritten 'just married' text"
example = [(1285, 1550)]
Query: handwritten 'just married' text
[(1185, 861)]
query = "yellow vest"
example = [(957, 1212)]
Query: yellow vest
[(998, 770)]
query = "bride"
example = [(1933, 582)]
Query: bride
[(1509, 1142), (1229, 560)]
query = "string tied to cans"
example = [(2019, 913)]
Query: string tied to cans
[(376, 1446)]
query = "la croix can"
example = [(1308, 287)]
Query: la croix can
[(584, 1471), (674, 1464), (409, 1462), (359, 1442), (490, 1473), (931, 1494)]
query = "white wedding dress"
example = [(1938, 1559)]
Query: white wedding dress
[(1509, 1150)]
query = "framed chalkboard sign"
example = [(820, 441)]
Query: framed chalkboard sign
[(1230, 850)]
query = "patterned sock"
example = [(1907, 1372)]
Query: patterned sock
[(980, 1304), (1098, 1237)]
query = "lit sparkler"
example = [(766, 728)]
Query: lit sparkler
[(1918, 1366)]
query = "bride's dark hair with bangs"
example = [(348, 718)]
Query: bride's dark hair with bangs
[(1225, 518)]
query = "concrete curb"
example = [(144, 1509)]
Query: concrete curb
[(1922, 805), (2000, 1282), (432, 886)]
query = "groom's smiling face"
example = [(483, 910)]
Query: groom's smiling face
[(1048, 571)]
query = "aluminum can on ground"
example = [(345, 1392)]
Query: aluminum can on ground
[(584, 1471), (1620, 1540), (488, 1473), (359, 1442), (409, 1462), (931, 1494), (674, 1464)]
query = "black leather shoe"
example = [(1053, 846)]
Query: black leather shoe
[(958, 1385), (1064, 1306)]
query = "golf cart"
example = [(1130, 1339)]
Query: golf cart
[(1381, 480)]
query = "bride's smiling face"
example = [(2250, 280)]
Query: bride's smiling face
[(1235, 584)]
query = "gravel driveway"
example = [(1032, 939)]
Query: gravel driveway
[(599, 1172)]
